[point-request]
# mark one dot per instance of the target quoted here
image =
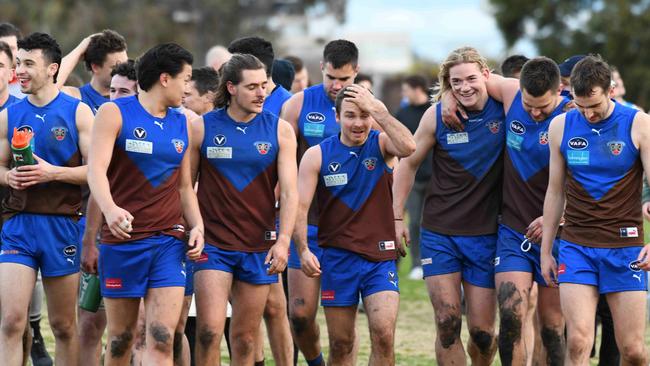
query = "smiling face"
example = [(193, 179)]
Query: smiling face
[(468, 84), (6, 71), (175, 86), (34, 71), (249, 94)]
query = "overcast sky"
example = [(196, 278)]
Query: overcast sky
[(435, 26)]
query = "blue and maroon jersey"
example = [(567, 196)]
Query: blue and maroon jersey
[(317, 120), (603, 182), (355, 199), (274, 101), (237, 177), (11, 100), (92, 98), (526, 161), (145, 169), (464, 193), (56, 140)]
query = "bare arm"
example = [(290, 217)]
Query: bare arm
[(70, 61), (108, 124), (287, 179), (5, 154), (307, 181), (407, 167), (291, 110), (195, 148), (397, 140), (89, 252), (640, 136), (189, 202), (502, 89), (554, 200), (43, 171)]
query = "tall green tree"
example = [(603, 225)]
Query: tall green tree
[(615, 29)]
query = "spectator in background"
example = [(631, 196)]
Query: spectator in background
[(511, 66), (618, 91), (364, 80), (565, 74), (301, 77), (415, 91), (283, 73), (10, 35), (217, 56)]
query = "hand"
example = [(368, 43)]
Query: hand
[(646, 211), (534, 231), (278, 256), (402, 233), (41, 172), (364, 99), (195, 243), (644, 258), (12, 180), (83, 45), (450, 109), (119, 222), (549, 270), (309, 264), (89, 255)]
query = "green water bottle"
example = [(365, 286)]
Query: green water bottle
[(89, 293), (21, 147)]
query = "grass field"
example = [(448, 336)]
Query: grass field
[(415, 328)]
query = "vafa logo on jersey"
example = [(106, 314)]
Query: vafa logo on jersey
[(315, 117), (139, 133), (578, 143), (517, 127)]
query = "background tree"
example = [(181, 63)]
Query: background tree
[(616, 29)]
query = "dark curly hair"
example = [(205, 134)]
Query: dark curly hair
[(48, 46), (164, 58), (108, 41), (126, 69)]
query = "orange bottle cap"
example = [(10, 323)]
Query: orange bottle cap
[(21, 139)]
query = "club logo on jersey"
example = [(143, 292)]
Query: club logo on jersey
[(578, 143), (178, 145), (59, 133), (26, 128), (315, 117), (263, 147), (634, 266), (543, 138), (70, 250), (219, 140), (517, 127), (494, 126), (139, 133), (616, 147), (370, 163), (334, 167)]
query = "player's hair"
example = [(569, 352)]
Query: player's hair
[(456, 57), (512, 65), (8, 30), (589, 73), (126, 69), (168, 58), (205, 80), (340, 53), (232, 71), (108, 41), (256, 46), (339, 100), (417, 82), (297, 63), (363, 77), (49, 47), (4, 47), (539, 75)]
